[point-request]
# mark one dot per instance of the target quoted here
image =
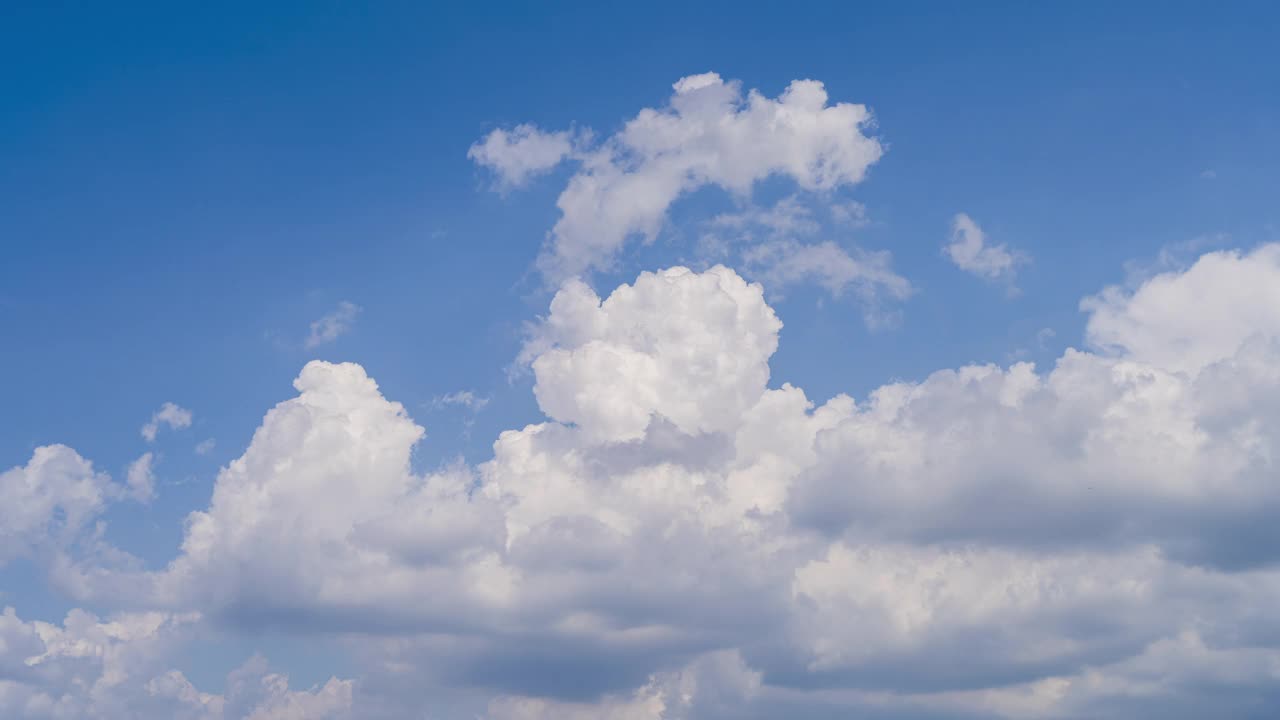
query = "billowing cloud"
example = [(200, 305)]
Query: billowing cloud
[(173, 415), (709, 133), (1187, 320), (682, 538), (970, 251), (118, 668), (50, 501)]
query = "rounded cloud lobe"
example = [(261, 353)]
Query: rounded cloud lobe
[(680, 540), (692, 348)]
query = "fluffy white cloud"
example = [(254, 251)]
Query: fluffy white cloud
[(171, 414), (971, 252), (333, 325), (680, 540), (520, 153), (708, 134), (693, 348), (1187, 320), (49, 502)]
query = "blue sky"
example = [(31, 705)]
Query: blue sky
[(186, 192)]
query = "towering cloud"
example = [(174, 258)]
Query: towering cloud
[(682, 540)]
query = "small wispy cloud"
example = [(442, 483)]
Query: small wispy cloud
[(332, 326), (141, 478), (521, 153), (171, 414), (463, 398), (204, 447), (777, 246), (969, 250), (850, 212)]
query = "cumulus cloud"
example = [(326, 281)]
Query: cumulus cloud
[(170, 414), (693, 348), (971, 252), (118, 668), (50, 501), (256, 693), (1185, 320), (521, 153), (681, 538), (708, 134), (333, 325)]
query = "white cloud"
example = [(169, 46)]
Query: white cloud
[(141, 478), (49, 502), (784, 263), (170, 414), (332, 326), (255, 693), (690, 347), (680, 540), (521, 153), (462, 398), (119, 668), (204, 447), (1187, 320), (788, 217), (711, 683), (971, 252), (850, 212), (708, 134), (773, 253)]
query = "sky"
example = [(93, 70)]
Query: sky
[(579, 360)]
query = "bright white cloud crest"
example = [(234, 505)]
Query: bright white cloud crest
[(692, 348)]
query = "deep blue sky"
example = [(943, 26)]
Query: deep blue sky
[(185, 187)]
